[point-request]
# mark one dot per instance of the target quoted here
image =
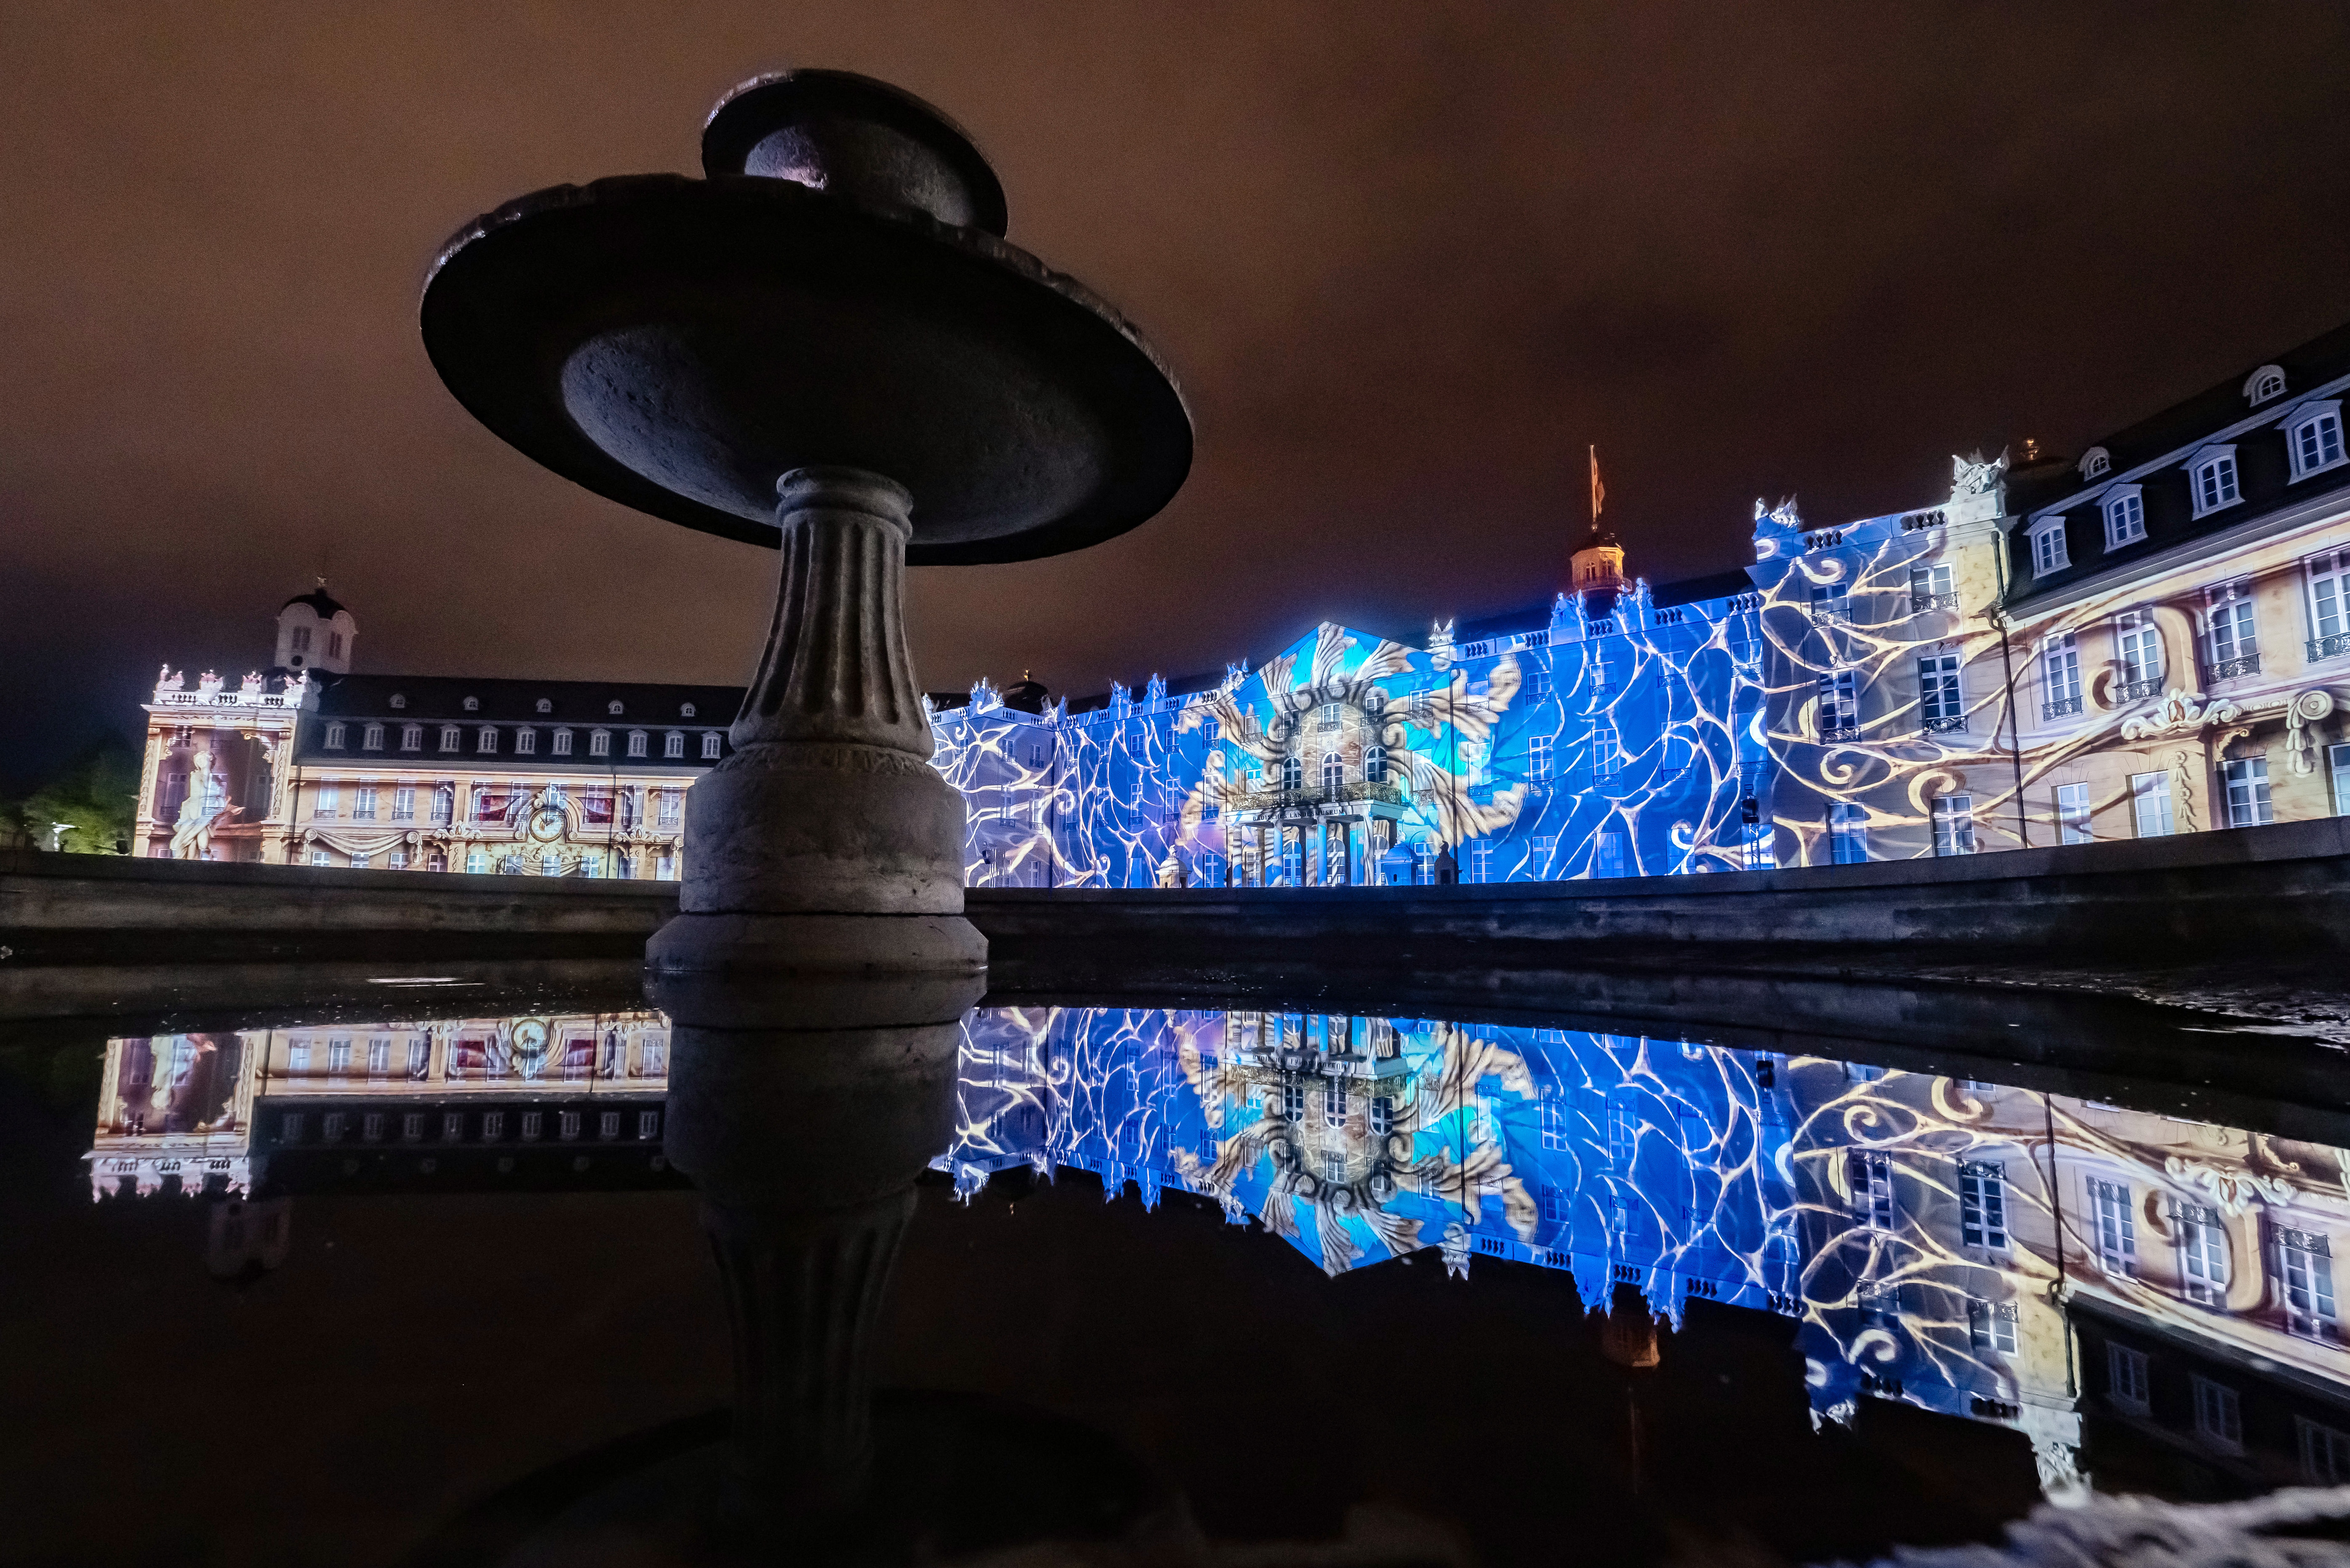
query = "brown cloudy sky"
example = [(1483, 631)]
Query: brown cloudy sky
[(1407, 259)]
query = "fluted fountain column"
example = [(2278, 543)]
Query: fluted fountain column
[(827, 842)]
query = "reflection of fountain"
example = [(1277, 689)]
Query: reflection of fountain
[(826, 344)]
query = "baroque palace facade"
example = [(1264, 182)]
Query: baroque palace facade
[(2152, 639)]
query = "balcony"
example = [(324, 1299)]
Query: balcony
[(1920, 604), (1835, 613), (1839, 730), (2229, 669), (2061, 708), (1945, 723), (2137, 690), (2333, 646), (1278, 800)]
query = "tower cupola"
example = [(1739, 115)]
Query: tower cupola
[(1596, 572), (315, 632)]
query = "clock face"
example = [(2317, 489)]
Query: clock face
[(547, 823)]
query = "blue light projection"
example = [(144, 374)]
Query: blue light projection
[(1809, 1188), (1632, 745)]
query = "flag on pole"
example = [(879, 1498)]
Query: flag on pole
[(1598, 491)]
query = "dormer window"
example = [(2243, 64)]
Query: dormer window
[(398, 700), (613, 709), (333, 645), (525, 742), (2264, 383), (2314, 436), (472, 705), (2213, 470), (545, 705), (371, 738), (2048, 553), (710, 745), (2096, 462), (685, 710), (562, 747), (600, 742), (334, 737), (673, 743), (411, 737), (2124, 508), (635, 742), (488, 742), (451, 737)]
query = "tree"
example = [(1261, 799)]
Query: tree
[(85, 809)]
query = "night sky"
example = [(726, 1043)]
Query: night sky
[(1406, 260)]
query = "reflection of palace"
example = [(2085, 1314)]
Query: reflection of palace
[(2008, 1256), (240, 1113), (2140, 643)]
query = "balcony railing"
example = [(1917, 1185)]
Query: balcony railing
[(1945, 723), (1921, 603), (2229, 668), (2333, 646), (1838, 613), (1304, 799), (2061, 708), (2138, 690), (1839, 729)]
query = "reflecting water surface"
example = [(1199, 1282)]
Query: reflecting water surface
[(860, 1276)]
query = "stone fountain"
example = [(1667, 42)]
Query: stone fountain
[(825, 346)]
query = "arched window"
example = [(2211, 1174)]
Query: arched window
[(1375, 764), (472, 705), (1334, 772), (2264, 383), (612, 708), (685, 710), (445, 802), (547, 705), (2095, 461), (1293, 772)]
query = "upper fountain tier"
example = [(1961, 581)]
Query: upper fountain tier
[(835, 293)]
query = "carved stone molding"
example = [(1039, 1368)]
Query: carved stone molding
[(2178, 712)]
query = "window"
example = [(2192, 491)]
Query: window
[(2072, 814), (648, 1124), (673, 743), (411, 737), (2248, 791), (1609, 857), (2215, 481), (1538, 756), (665, 867), (709, 741), (1939, 705), (412, 1128), (525, 742), (2338, 762), (1954, 824), (2116, 1232), (359, 862), (398, 700), (1382, 1116), (451, 737), (477, 861), (2151, 805), (1982, 1206), (472, 705), (330, 801), (2316, 442), (2126, 1379), (403, 803), (1623, 1133), (380, 1057), (334, 742), (2325, 1452), (2095, 461), (614, 709), (2140, 646), (2306, 1263), (637, 743), (2219, 1415), (655, 1057), (1607, 753), (395, 859), (2235, 641), (2125, 516), (1293, 1100), (333, 645), (561, 745), (1329, 716), (1991, 1325), (2264, 383), (607, 1126), (420, 1054), (533, 1123), (338, 1057), (332, 1127), (1847, 833), (321, 857), (1839, 702), (1553, 1123), (600, 742), (371, 738), (1334, 1103), (301, 639), (685, 709), (567, 1125), (363, 803), (494, 1125), (445, 804), (297, 1062), (2060, 676), (1554, 1205), (1375, 762), (1932, 588), (487, 742), (2048, 548), (625, 865), (1831, 602), (1871, 1174), (2329, 604)]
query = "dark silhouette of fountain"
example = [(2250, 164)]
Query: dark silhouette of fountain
[(825, 345)]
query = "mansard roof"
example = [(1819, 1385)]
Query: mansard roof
[(1694, 590), (435, 697), (2154, 455)]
